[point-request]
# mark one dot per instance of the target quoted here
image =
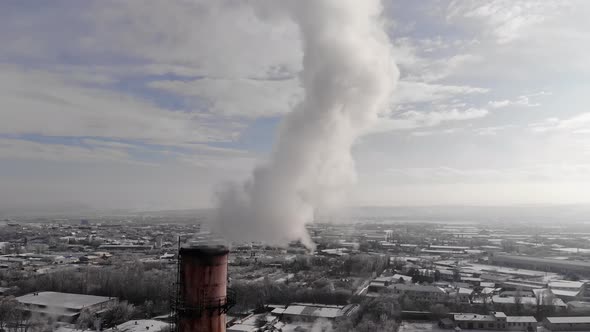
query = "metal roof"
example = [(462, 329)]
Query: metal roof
[(521, 319), (64, 300), (312, 311), (316, 310), (474, 317), (569, 320), (529, 259)]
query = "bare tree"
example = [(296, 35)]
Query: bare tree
[(7, 310), (548, 303), (539, 303), (117, 313), (85, 320), (518, 301)]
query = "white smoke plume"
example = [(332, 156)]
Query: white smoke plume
[(348, 77), (322, 325)]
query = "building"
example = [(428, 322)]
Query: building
[(142, 325), (380, 283), (4, 247), (311, 312), (495, 321), (567, 323), (579, 307), (510, 302), (565, 285), (462, 295), (521, 323), (420, 293), (542, 264), (251, 324), (63, 306), (522, 285), (128, 247), (570, 290), (449, 250), (475, 321)]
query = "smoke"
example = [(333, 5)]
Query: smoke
[(348, 76), (322, 325)]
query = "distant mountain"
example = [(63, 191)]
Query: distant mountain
[(41, 210), (518, 214), (524, 213), (73, 210)]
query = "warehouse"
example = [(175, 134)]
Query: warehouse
[(542, 264), (63, 306), (567, 323)]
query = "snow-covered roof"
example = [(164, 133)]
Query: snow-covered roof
[(142, 325)]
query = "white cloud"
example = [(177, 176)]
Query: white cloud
[(427, 60), (60, 104), (424, 133), (245, 61), (492, 130), (506, 20), (23, 149), (239, 97), (527, 41), (220, 38), (421, 92), (535, 173), (492, 194), (434, 118), (216, 38), (232, 164), (578, 124), (415, 119), (523, 100)]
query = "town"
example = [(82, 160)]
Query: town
[(381, 274)]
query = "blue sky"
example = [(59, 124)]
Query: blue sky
[(150, 105)]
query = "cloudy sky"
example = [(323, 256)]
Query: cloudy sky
[(153, 104)]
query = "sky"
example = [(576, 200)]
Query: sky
[(156, 104)]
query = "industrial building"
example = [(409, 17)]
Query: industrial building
[(541, 264), (567, 323), (311, 312), (495, 321), (421, 293), (142, 325), (63, 306), (128, 247)]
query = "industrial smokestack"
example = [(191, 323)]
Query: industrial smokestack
[(202, 299), (348, 77)]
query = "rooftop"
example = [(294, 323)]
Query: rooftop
[(543, 260), (567, 293), (568, 320), (314, 311), (317, 310), (578, 304), (418, 288), (474, 317), (465, 291), (64, 300), (142, 325), (521, 319), (565, 284), (241, 328)]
